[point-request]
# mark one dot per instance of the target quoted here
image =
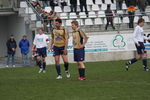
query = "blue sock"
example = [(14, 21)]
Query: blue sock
[(144, 60), (132, 61), (58, 69)]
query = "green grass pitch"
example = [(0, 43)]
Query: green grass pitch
[(105, 81)]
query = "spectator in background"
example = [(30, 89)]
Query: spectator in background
[(103, 1), (63, 3), (119, 4), (45, 3), (131, 4), (94, 1), (109, 17), (11, 49), (52, 4), (83, 4), (24, 46), (142, 6), (73, 5)]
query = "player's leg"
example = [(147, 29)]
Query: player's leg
[(82, 69), (144, 60), (57, 64), (39, 63), (66, 65), (44, 55)]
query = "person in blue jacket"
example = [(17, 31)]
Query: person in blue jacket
[(24, 46)]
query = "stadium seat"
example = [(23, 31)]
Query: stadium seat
[(92, 15), (33, 17), (23, 4), (89, 2), (68, 22), (113, 6), (29, 11), (82, 15), (98, 21), (88, 22), (124, 6), (120, 12), (39, 24), (103, 6), (80, 21), (108, 2), (78, 3), (105, 21), (67, 9), (146, 18), (136, 18), (117, 20), (101, 14), (95, 8), (99, 2), (47, 9), (126, 20), (63, 15), (58, 9), (72, 16)]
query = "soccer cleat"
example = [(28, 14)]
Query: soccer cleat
[(59, 77), (68, 74), (40, 70), (146, 69), (13, 66), (81, 78), (127, 66), (44, 71)]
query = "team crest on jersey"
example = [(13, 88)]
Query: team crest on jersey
[(58, 37)]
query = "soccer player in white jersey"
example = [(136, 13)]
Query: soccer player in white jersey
[(41, 43), (138, 37)]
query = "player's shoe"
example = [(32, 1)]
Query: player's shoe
[(40, 70), (81, 78), (146, 69), (7, 66), (44, 71), (13, 66), (67, 74), (59, 77), (127, 66)]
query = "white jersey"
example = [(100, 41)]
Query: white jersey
[(138, 35), (41, 41)]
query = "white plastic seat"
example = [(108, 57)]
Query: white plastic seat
[(80, 21), (105, 21), (124, 6), (29, 11), (89, 2), (88, 22), (67, 9), (82, 15), (58, 9), (98, 21), (99, 2), (23, 4), (68, 22), (101, 14), (103, 6), (92, 15), (39, 24), (117, 20), (63, 15), (33, 17), (136, 18), (47, 9), (108, 2), (95, 8), (120, 12), (125, 20), (72, 16), (146, 18), (113, 7)]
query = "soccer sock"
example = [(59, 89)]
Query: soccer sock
[(80, 72), (132, 61), (39, 64), (58, 69), (144, 60), (66, 65), (44, 65)]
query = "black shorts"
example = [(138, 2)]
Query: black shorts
[(141, 48), (42, 52), (79, 54), (58, 51)]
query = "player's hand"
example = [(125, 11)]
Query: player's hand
[(65, 51), (138, 44), (50, 50), (82, 46), (13, 49)]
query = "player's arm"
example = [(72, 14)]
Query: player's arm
[(136, 32), (85, 39), (52, 42), (66, 39)]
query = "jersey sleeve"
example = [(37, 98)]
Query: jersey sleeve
[(84, 36), (136, 31)]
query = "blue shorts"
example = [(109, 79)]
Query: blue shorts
[(42, 52), (79, 54), (141, 48), (58, 51)]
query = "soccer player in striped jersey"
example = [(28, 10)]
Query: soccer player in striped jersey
[(59, 45), (138, 37), (41, 41), (79, 41)]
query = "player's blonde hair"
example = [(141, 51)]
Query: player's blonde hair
[(41, 28), (75, 23)]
